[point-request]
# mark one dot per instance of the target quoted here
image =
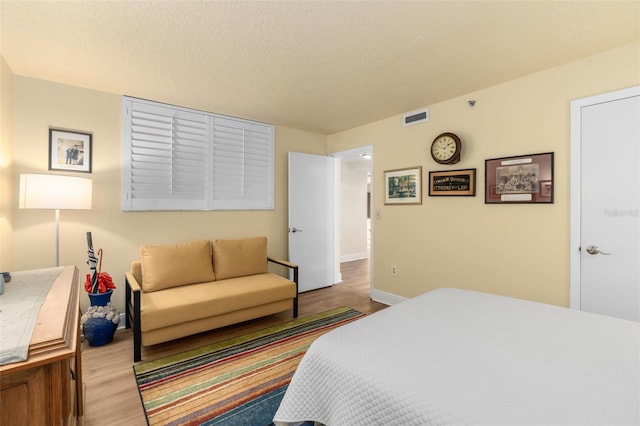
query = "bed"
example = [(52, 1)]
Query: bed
[(451, 357)]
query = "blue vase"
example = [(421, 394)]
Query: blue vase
[(100, 299), (99, 331)]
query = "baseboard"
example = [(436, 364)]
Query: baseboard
[(354, 256), (123, 320), (386, 298)]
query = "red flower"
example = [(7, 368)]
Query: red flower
[(105, 283)]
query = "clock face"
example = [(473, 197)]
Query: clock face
[(445, 149)]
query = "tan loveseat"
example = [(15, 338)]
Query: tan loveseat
[(182, 289)]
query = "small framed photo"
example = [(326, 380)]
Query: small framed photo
[(520, 179), (70, 151), (403, 186), (453, 182)]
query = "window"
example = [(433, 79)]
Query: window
[(181, 159)]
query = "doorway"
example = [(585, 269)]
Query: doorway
[(353, 215)]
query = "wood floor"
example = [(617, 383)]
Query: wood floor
[(111, 395)]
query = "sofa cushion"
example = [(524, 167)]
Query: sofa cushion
[(239, 258), (189, 303), (172, 265)]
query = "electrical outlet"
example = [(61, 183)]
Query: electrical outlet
[(394, 270)]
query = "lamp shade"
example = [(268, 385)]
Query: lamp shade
[(39, 191)]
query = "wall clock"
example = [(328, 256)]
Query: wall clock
[(446, 148)]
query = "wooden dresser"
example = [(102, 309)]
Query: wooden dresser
[(46, 389)]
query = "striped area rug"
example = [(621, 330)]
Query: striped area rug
[(239, 381)]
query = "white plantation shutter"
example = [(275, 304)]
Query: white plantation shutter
[(167, 158), (242, 164), (181, 159)]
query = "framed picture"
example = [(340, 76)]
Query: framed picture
[(403, 186), (521, 179), (69, 151), (453, 182)]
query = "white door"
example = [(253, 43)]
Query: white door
[(311, 219), (609, 202)]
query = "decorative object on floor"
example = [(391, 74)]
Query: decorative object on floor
[(55, 192), (100, 321), (239, 381)]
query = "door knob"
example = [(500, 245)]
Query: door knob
[(595, 250), (294, 230)]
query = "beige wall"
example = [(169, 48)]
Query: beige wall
[(518, 250), (40, 104), (514, 250), (6, 166)]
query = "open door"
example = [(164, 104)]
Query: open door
[(311, 219)]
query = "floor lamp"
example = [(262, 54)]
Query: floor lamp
[(57, 193)]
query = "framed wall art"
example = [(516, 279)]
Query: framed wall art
[(403, 186), (520, 179), (453, 182), (69, 151)]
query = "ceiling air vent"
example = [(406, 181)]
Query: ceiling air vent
[(416, 117)]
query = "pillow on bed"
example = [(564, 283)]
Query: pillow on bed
[(238, 258), (174, 265)]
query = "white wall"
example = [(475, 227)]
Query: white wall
[(353, 212)]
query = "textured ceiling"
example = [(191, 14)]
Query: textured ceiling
[(322, 66)]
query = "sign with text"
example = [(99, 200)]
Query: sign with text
[(453, 182)]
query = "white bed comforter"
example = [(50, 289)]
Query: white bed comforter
[(460, 357)]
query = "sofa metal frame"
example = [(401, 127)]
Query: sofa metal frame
[(132, 302)]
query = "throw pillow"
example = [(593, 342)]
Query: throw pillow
[(238, 258), (172, 265)]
